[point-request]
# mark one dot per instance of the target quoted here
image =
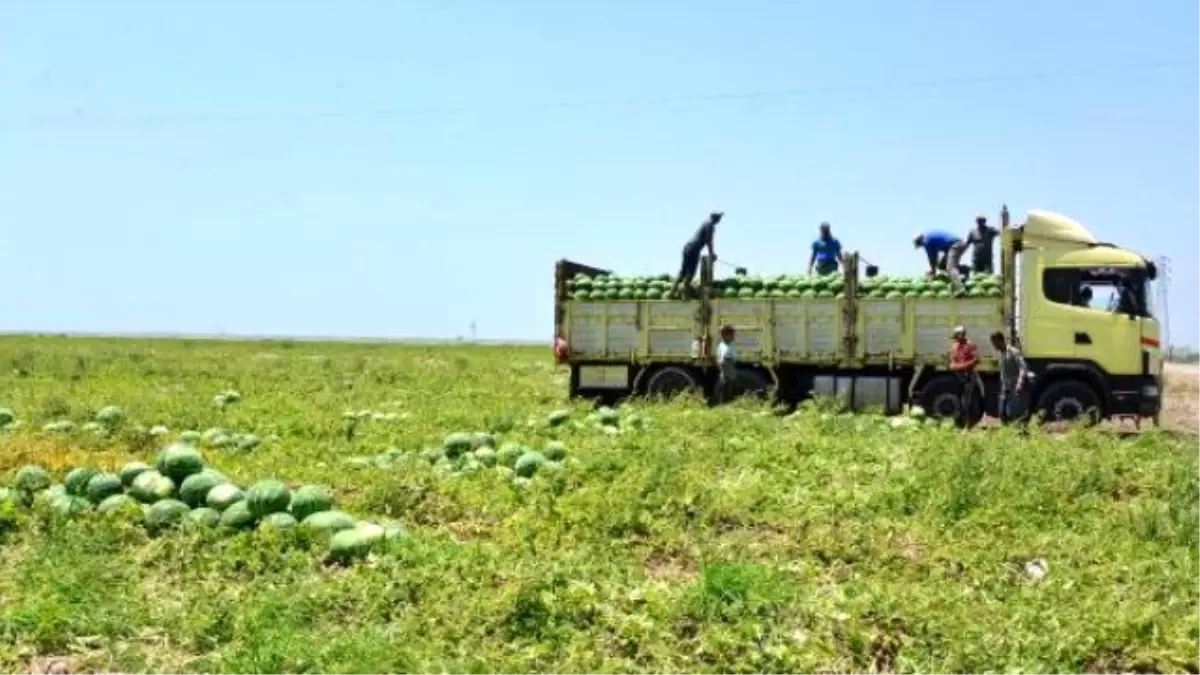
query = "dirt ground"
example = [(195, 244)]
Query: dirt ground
[(1181, 410)]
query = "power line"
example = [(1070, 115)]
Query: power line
[(934, 86)]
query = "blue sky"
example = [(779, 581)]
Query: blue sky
[(404, 167)]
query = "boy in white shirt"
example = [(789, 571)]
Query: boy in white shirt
[(727, 363)]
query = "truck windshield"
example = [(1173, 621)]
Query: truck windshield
[(1118, 290), (1121, 291)]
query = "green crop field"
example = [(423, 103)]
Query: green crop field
[(504, 537)]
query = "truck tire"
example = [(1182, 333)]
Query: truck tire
[(670, 381), (1069, 400), (942, 397)]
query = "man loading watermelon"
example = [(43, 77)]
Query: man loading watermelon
[(692, 250), (949, 248)]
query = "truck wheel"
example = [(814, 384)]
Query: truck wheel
[(1069, 400), (942, 398), (670, 381)]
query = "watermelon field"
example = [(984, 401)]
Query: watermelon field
[(273, 506)]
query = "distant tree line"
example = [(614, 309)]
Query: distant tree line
[(1182, 355)]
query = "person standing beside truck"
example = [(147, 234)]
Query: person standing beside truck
[(981, 239), (826, 252), (1014, 378), (692, 250), (726, 365), (947, 247), (964, 357)]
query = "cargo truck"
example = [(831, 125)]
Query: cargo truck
[(888, 353)]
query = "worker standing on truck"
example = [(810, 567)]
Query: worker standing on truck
[(691, 251), (1014, 378), (826, 252), (981, 239), (963, 359), (726, 365), (950, 249)]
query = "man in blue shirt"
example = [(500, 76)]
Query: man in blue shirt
[(950, 247), (826, 252)]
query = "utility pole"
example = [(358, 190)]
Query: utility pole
[(474, 335), (1162, 290)]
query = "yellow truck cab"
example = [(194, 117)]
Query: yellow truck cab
[(1080, 310), (1077, 308)]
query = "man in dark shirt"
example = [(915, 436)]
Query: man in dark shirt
[(981, 239), (691, 252)]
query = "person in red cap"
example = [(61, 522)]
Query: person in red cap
[(964, 357)]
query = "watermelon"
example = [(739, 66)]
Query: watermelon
[(246, 442), (110, 416), (277, 521), (166, 513), (238, 516), (32, 478), (152, 486), (481, 439), (131, 471), (555, 451), (77, 480), (7, 417), (190, 437), (485, 456), (528, 463), (195, 488), (329, 521), (606, 415), (102, 486), (267, 497), (310, 499), (120, 506), (59, 427), (203, 517), (393, 531), (353, 543), (456, 444), (179, 461), (68, 505), (508, 454)]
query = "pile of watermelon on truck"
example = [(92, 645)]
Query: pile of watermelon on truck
[(879, 340)]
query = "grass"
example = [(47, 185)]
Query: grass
[(724, 540)]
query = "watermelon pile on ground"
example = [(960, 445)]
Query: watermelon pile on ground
[(181, 490)]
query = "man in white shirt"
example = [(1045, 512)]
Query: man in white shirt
[(727, 363)]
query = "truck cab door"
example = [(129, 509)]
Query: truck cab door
[(1105, 333)]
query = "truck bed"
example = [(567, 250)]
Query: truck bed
[(803, 331)]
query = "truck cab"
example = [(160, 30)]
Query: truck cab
[(1079, 308)]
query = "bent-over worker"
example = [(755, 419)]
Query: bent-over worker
[(964, 357), (826, 252), (692, 250), (950, 249)]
